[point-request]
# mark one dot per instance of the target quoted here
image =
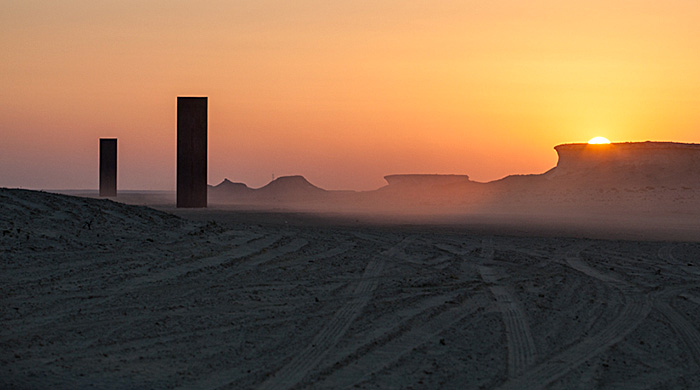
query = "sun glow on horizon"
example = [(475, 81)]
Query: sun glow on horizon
[(598, 141), (343, 93)]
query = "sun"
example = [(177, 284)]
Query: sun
[(599, 140)]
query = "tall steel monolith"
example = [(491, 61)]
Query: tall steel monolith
[(108, 167), (191, 152)]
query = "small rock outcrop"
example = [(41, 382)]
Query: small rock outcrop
[(290, 187), (228, 185)]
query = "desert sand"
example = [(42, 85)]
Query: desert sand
[(99, 294)]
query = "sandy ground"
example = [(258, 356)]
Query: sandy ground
[(97, 294)]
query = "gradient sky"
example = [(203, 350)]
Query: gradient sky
[(342, 92)]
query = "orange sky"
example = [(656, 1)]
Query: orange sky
[(340, 92)]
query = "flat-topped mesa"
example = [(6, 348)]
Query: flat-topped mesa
[(426, 179), (632, 154), (657, 161)]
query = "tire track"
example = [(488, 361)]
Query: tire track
[(330, 334), (559, 365), (681, 326), (152, 280), (573, 260), (390, 344), (521, 345), (141, 345), (250, 249), (360, 369), (522, 351), (337, 251), (666, 253), (256, 258), (327, 337), (636, 309), (268, 256)]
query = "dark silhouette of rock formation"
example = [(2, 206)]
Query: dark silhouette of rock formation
[(635, 164), (293, 187), (227, 186), (584, 176), (281, 190), (420, 189), (227, 191)]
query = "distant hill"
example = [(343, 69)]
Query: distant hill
[(290, 187), (282, 189), (226, 191), (229, 187), (584, 174)]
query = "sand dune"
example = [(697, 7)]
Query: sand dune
[(105, 295)]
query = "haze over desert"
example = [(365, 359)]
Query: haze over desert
[(350, 195)]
